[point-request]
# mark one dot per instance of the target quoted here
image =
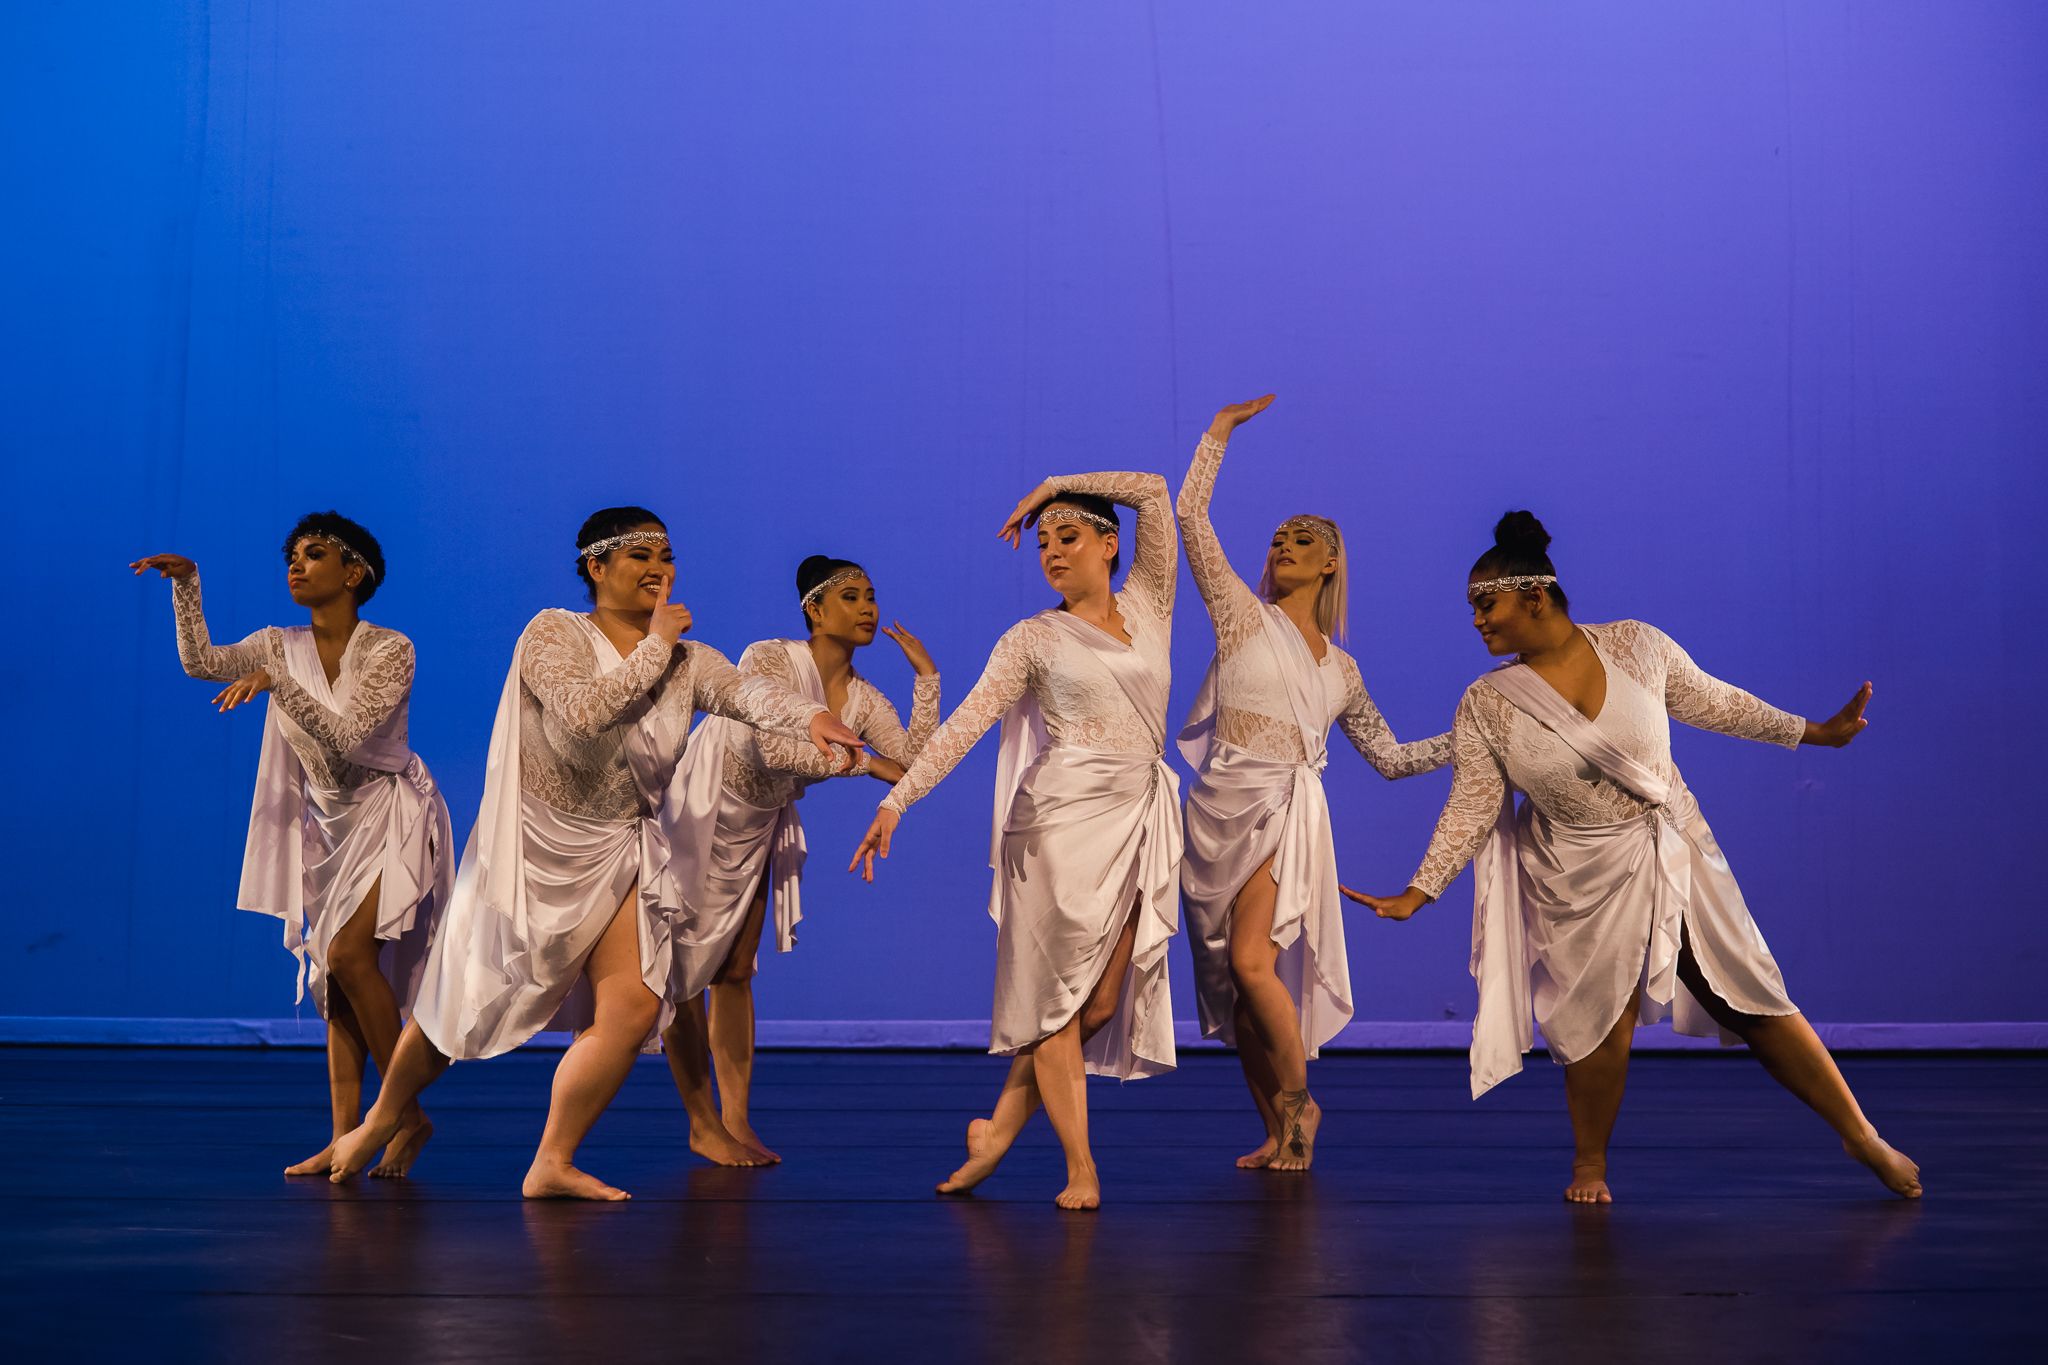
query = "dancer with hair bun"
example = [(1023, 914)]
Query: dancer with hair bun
[(1260, 876), (568, 877), (349, 841), (743, 854), (1086, 842), (1604, 902)]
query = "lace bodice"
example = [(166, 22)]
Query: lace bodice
[(1252, 709), (375, 681), (1082, 704), (1650, 682), (767, 770), (573, 713)]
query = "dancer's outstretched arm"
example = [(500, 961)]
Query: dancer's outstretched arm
[(1233, 606)]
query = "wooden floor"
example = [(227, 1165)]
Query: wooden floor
[(143, 1217)]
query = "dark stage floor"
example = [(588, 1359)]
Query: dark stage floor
[(144, 1218)]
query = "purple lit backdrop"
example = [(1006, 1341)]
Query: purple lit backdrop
[(1748, 300)]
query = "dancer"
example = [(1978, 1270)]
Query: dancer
[(567, 876), (741, 787), (349, 840), (1087, 838), (1260, 877), (1605, 902)]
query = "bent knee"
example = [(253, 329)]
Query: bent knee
[(1251, 962), (1096, 1014), (737, 971), (635, 1015), (353, 962)]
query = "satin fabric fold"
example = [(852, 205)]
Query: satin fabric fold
[(1569, 919), (1083, 837), (313, 854), (1245, 808)]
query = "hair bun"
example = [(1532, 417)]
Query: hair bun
[(1521, 535), (812, 571)]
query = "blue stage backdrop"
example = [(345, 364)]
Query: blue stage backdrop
[(1747, 300)]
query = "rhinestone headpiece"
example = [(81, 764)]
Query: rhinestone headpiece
[(846, 575), (1066, 511), (1321, 528), (347, 551), (598, 548), (1519, 583)]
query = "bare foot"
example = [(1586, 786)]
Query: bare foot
[(720, 1149), (1589, 1183), (1898, 1171), (983, 1156), (315, 1165), (549, 1178), (1300, 1120), (403, 1151), (1083, 1191), (1259, 1156), (743, 1133), (353, 1149)]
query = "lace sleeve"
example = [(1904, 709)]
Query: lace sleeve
[(557, 666), (1233, 607), (883, 729), (383, 680), (1699, 699), (1369, 733), (1152, 565), (1478, 786), (1008, 674), (201, 657), (784, 751), (769, 706)]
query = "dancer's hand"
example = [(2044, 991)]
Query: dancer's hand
[(875, 841), (670, 621), (913, 649), (827, 730), (1025, 513), (1843, 726), (166, 566), (1389, 907), (1236, 415), (888, 769), (243, 689)]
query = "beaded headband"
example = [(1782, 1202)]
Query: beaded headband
[(1519, 583), (348, 551), (1320, 528), (1066, 511), (597, 548), (846, 575)]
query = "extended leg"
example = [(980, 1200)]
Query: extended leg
[(1593, 1087)]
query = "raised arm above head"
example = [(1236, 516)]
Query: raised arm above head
[(1233, 606)]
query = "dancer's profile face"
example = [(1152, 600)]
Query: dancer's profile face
[(1075, 558), (635, 577), (317, 574), (1508, 621), (847, 612), (1296, 557)]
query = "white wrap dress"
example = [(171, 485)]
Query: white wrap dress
[(1608, 867), (1257, 741), (740, 788), (342, 804), (577, 810), (1086, 831)]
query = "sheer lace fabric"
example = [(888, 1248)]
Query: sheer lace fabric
[(768, 770), (1083, 705), (1495, 746), (375, 681)]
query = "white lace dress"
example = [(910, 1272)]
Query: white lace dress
[(1087, 824), (1608, 864), (593, 737), (1256, 739), (742, 786), (342, 803)]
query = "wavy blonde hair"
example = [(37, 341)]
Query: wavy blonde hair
[(1329, 596)]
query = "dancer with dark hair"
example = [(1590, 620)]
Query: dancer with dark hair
[(1605, 902), (743, 851), (1260, 874), (1087, 838), (568, 875), (349, 841)]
